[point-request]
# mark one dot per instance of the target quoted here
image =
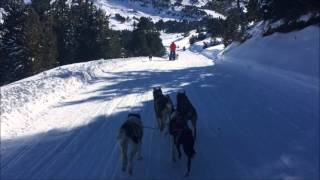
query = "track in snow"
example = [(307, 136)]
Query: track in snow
[(250, 126)]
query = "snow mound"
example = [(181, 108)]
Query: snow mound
[(297, 51), (25, 98), (25, 102)]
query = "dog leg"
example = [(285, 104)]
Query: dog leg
[(179, 150), (159, 123), (167, 124), (132, 155), (189, 167), (124, 158), (194, 124), (173, 148), (139, 151)]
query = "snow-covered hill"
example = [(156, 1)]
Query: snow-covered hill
[(295, 53), (253, 123), (133, 10)]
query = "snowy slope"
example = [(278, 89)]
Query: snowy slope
[(198, 3), (133, 10), (295, 51), (295, 54)]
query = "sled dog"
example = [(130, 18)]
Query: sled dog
[(163, 107), (187, 110), (181, 134), (130, 133)]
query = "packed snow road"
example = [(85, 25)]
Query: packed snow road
[(251, 125)]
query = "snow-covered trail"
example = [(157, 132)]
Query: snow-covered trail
[(251, 126)]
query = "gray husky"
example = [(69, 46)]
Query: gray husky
[(163, 108), (130, 133)]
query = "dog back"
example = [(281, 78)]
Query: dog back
[(133, 128), (185, 107), (162, 103), (176, 124)]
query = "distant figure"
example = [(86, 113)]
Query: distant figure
[(150, 57), (184, 48), (172, 55)]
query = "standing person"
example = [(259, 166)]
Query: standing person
[(172, 55)]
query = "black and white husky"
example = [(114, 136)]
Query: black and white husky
[(163, 108), (130, 133), (181, 134), (187, 110)]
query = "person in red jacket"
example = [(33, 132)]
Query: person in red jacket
[(172, 55)]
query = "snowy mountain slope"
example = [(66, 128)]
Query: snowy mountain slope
[(133, 10), (198, 3), (295, 51), (251, 125), (291, 55)]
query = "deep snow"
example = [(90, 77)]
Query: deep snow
[(254, 123), (297, 51)]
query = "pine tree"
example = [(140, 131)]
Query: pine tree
[(32, 33), (64, 29), (253, 9), (231, 27), (145, 24), (14, 61)]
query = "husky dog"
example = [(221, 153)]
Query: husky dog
[(130, 132), (181, 134), (187, 110), (163, 107)]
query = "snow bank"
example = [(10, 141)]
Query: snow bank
[(22, 100), (26, 102), (296, 52)]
